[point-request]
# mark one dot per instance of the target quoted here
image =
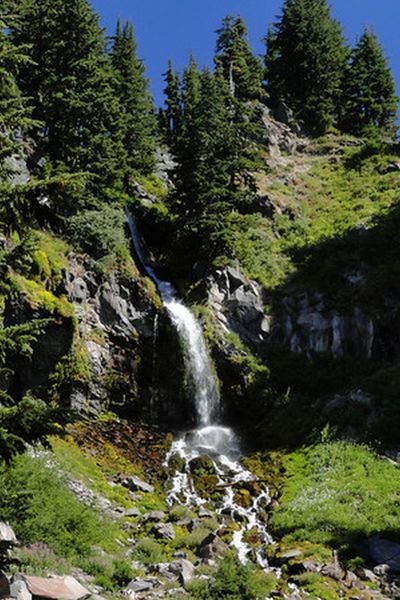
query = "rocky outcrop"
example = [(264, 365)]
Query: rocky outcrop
[(237, 305), (124, 330), (303, 322)]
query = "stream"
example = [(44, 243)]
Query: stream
[(210, 438)]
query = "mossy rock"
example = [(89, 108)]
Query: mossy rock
[(176, 462), (243, 497), (202, 465)]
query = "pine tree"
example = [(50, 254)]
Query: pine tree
[(215, 157), (305, 61), (15, 116), (233, 54), (71, 84), (132, 87), (369, 100), (172, 114)]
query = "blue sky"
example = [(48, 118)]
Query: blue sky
[(174, 28)]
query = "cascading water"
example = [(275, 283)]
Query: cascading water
[(209, 438)]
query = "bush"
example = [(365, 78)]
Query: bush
[(100, 232), (234, 581)]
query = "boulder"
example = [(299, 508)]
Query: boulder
[(141, 585), (212, 547), (183, 569), (4, 585), (164, 531), (135, 484), (154, 515), (132, 512), (384, 551), (67, 588), (20, 591), (7, 534)]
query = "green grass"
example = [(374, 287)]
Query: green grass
[(337, 493), (325, 201), (40, 507)]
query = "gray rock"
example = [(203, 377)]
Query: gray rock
[(204, 513), (132, 512), (238, 305), (212, 547), (384, 551), (19, 590), (135, 484), (141, 585), (164, 531), (4, 585), (184, 570), (154, 515), (7, 534)]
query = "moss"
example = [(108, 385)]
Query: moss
[(39, 298)]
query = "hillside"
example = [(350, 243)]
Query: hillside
[(199, 355)]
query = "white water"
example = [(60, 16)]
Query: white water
[(209, 437)]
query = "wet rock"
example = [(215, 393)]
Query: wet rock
[(164, 531), (202, 465), (205, 514), (384, 551), (212, 547), (135, 484)]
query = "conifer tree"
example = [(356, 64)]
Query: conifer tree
[(15, 116), (71, 84), (233, 54), (132, 87), (305, 61), (215, 155), (172, 114), (369, 100)]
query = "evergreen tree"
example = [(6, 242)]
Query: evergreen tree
[(233, 54), (215, 158), (172, 114), (305, 61), (15, 116), (369, 100), (71, 84), (132, 87)]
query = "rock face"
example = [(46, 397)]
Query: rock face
[(124, 331), (301, 322), (237, 304)]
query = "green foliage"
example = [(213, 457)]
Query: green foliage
[(71, 84), (101, 232), (149, 552), (305, 61), (39, 298), (132, 88), (14, 111), (234, 581), (337, 493), (369, 101), (171, 116), (40, 507), (241, 69)]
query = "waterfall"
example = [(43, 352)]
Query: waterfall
[(209, 437)]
